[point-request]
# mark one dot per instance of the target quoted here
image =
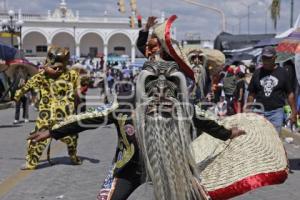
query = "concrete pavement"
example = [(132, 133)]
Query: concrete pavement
[(96, 148)]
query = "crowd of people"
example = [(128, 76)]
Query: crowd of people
[(265, 88)]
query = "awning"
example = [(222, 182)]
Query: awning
[(7, 52), (290, 44), (268, 42)]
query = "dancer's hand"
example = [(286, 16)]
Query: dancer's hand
[(39, 136), (235, 132), (150, 22)]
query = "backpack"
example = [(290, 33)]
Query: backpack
[(229, 84)]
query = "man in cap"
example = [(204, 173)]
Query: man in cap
[(270, 86)]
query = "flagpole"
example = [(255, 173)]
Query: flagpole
[(292, 14), (150, 7)]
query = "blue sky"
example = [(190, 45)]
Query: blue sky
[(192, 21)]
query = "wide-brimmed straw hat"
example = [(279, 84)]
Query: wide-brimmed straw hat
[(214, 59), (247, 162)]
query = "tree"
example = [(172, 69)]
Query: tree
[(275, 11)]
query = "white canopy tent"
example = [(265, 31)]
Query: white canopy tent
[(289, 31)]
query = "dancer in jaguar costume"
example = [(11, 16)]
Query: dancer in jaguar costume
[(156, 127), (57, 86)]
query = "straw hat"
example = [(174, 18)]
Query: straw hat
[(214, 58), (163, 33), (79, 68), (237, 166)]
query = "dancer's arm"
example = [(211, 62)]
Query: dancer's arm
[(203, 124), (143, 34), (74, 124), (142, 40), (33, 83)]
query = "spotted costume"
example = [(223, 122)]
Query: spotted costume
[(56, 103)]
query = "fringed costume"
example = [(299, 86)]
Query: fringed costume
[(156, 127)]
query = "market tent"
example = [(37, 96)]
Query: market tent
[(16, 69), (290, 44), (289, 31), (7, 52), (227, 41), (268, 42), (22, 66)]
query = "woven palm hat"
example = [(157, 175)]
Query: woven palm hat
[(172, 47), (214, 59), (79, 68), (247, 162)]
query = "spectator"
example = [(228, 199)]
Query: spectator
[(110, 81), (24, 102), (81, 100), (221, 107), (239, 94), (229, 82), (2, 89), (229, 85), (269, 86)]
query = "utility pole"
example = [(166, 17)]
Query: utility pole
[(74, 52), (248, 8), (219, 11), (292, 14), (266, 22)]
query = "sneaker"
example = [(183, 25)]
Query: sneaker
[(26, 120), (16, 121)]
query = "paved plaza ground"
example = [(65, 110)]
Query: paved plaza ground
[(96, 148)]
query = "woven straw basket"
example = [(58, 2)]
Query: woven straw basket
[(236, 166)]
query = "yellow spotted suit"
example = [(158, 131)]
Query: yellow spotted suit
[(57, 98)]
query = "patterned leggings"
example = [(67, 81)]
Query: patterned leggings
[(35, 150)]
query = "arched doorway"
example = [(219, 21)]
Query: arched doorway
[(119, 44), (91, 44), (35, 44), (65, 40)]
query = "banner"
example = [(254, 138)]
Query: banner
[(8, 35)]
